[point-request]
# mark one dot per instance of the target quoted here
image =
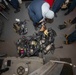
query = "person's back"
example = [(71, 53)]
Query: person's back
[(35, 12), (36, 4)]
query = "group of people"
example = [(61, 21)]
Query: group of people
[(39, 10)]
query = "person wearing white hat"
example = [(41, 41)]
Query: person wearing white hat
[(38, 11)]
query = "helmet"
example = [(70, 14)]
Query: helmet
[(50, 14)]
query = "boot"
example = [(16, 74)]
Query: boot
[(66, 42), (17, 10), (55, 15), (67, 13), (36, 26)]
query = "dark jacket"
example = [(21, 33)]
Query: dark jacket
[(35, 11)]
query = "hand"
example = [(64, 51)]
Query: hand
[(41, 21)]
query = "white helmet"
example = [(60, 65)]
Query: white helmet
[(50, 14)]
